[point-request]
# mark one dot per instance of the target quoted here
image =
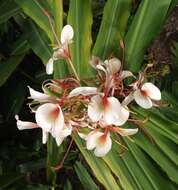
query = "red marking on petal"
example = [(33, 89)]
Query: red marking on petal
[(144, 93), (54, 114), (102, 139), (105, 101)]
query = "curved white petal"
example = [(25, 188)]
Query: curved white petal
[(66, 131), (122, 117), (113, 65), (111, 110), (95, 108), (83, 91), (44, 136), (143, 101), (59, 140), (49, 116), (128, 99), (103, 146), (21, 125), (152, 91), (67, 34), (38, 96), (49, 67), (126, 74), (63, 134), (127, 132), (91, 139), (82, 135), (58, 125)]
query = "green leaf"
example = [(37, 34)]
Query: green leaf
[(99, 168), (67, 185), (165, 127), (116, 164), (57, 10), (8, 66), (145, 25), (16, 100), (35, 10), (80, 18), (54, 155), (38, 41), (153, 178), (161, 130), (112, 29), (157, 155), (85, 177), (172, 6), (8, 9), (8, 179), (171, 113), (60, 66)]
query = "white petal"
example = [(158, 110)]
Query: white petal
[(59, 140), (62, 135), (111, 110), (49, 116), (113, 65), (127, 132), (49, 67), (95, 108), (103, 146), (122, 117), (126, 74), (67, 34), (85, 91), (141, 100), (128, 99), (21, 125), (44, 136), (152, 91), (58, 124), (38, 96), (82, 135), (66, 131), (91, 139)]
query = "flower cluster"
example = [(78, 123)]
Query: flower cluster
[(94, 112)]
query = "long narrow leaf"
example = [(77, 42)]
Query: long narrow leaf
[(38, 41), (85, 177), (8, 9), (112, 29), (146, 24), (60, 66), (80, 17), (35, 10), (8, 66), (100, 169)]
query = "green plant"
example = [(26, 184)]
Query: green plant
[(150, 162)]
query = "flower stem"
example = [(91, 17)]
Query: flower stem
[(73, 69), (59, 166)]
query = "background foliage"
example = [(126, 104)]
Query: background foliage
[(150, 160)]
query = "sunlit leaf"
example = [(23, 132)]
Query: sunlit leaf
[(144, 27), (112, 29), (80, 18)]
